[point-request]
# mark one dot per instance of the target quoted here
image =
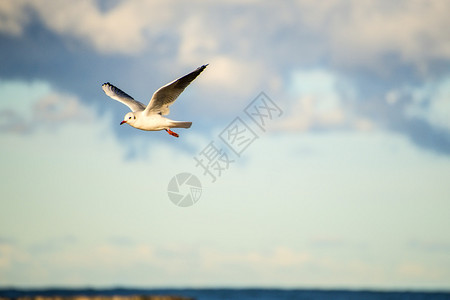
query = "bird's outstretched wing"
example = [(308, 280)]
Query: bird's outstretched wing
[(121, 96), (166, 95)]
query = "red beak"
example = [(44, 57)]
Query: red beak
[(122, 122)]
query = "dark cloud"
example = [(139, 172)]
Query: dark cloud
[(107, 5), (426, 135), (372, 102)]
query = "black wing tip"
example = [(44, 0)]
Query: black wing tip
[(116, 90), (112, 87), (202, 67)]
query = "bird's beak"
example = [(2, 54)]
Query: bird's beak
[(122, 122)]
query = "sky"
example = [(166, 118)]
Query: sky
[(344, 186)]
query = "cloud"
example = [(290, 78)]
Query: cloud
[(51, 110), (424, 134), (321, 102), (180, 264), (11, 121), (123, 28), (362, 33), (11, 255), (214, 254), (416, 111), (428, 101), (121, 241), (363, 52), (53, 245), (277, 258), (223, 81), (6, 251), (12, 17), (56, 108), (305, 115), (433, 246), (418, 271), (355, 33), (197, 42), (326, 100)]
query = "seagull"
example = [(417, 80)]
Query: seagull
[(151, 117)]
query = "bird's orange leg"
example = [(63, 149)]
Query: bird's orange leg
[(172, 133)]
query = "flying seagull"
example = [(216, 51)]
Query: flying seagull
[(151, 117)]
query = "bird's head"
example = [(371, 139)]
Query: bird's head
[(129, 118)]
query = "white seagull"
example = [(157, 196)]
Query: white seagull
[(151, 117)]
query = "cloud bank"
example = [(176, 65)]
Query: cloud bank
[(386, 59)]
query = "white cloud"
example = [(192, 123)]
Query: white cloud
[(57, 107), (11, 254), (228, 74), (121, 29), (276, 258), (355, 32), (430, 101), (234, 73), (197, 41), (147, 264), (361, 32), (6, 252), (306, 113), (36, 105), (319, 104), (417, 270), (20, 96)]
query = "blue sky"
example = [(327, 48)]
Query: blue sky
[(347, 188)]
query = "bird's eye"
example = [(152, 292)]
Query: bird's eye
[(135, 117), (129, 118)]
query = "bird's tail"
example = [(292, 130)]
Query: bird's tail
[(178, 124)]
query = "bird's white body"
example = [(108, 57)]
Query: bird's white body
[(154, 122), (150, 117)]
